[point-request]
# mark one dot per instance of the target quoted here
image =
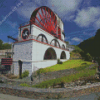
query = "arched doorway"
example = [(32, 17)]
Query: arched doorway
[(50, 54), (63, 55)]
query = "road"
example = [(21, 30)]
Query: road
[(92, 96)]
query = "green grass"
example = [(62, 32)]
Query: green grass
[(24, 84), (66, 65), (78, 65), (66, 79)]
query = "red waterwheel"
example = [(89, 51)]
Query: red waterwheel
[(45, 18)]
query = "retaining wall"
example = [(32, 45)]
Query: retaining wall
[(37, 93)]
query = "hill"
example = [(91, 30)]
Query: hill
[(91, 45)]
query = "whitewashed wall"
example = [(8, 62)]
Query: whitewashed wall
[(25, 66), (36, 31), (39, 50), (23, 51), (31, 53)]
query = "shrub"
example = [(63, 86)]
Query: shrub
[(24, 84), (88, 57), (25, 74), (59, 62), (41, 70)]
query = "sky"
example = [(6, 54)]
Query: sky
[(81, 18)]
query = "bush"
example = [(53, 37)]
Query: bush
[(11, 76), (24, 84), (25, 74), (41, 70), (59, 62), (88, 57)]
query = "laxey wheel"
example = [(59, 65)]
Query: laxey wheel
[(46, 19)]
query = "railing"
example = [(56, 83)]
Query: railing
[(39, 39)]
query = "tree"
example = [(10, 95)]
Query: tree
[(77, 49), (1, 43), (6, 46), (88, 57), (97, 33), (67, 43)]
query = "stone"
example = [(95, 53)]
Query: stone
[(88, 83), (2, 80)]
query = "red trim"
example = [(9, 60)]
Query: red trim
[(42, 29), (6, 58), (6, 64), (42, 43)]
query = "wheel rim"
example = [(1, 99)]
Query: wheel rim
[(45, 18)]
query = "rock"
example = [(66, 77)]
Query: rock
[(88, 83), (2, 80)]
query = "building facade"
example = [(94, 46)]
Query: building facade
[(40, 42)]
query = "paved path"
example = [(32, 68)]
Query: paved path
[(10, 97), (92, 96)]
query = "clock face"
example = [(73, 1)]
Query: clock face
[(25, 34)]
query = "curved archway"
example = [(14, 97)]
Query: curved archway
[(42, 38), (50, 54), (54, 42), (63, 46), (63, 55)]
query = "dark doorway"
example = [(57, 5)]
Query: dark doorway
[(20, 68)]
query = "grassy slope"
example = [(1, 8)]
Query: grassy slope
[(66, 79), (66, 65), (79, 65), (75, 55)]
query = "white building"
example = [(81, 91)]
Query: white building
[(40, 42)]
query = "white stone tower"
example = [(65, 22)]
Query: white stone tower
[(40, 42)]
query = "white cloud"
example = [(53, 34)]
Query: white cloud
[(76, 39), (97, 24), (27, 8), (87, 17), (64, 8)]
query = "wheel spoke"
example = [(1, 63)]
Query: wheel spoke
[(46, 19)]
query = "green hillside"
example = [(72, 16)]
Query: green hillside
[(66, 65), (92, 45)]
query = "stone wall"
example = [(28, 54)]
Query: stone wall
[(37, 93), (52, 75)]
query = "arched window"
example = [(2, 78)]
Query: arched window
[(63, 55), (50, 54), (54, 42), (42, 38), (63, 46)]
